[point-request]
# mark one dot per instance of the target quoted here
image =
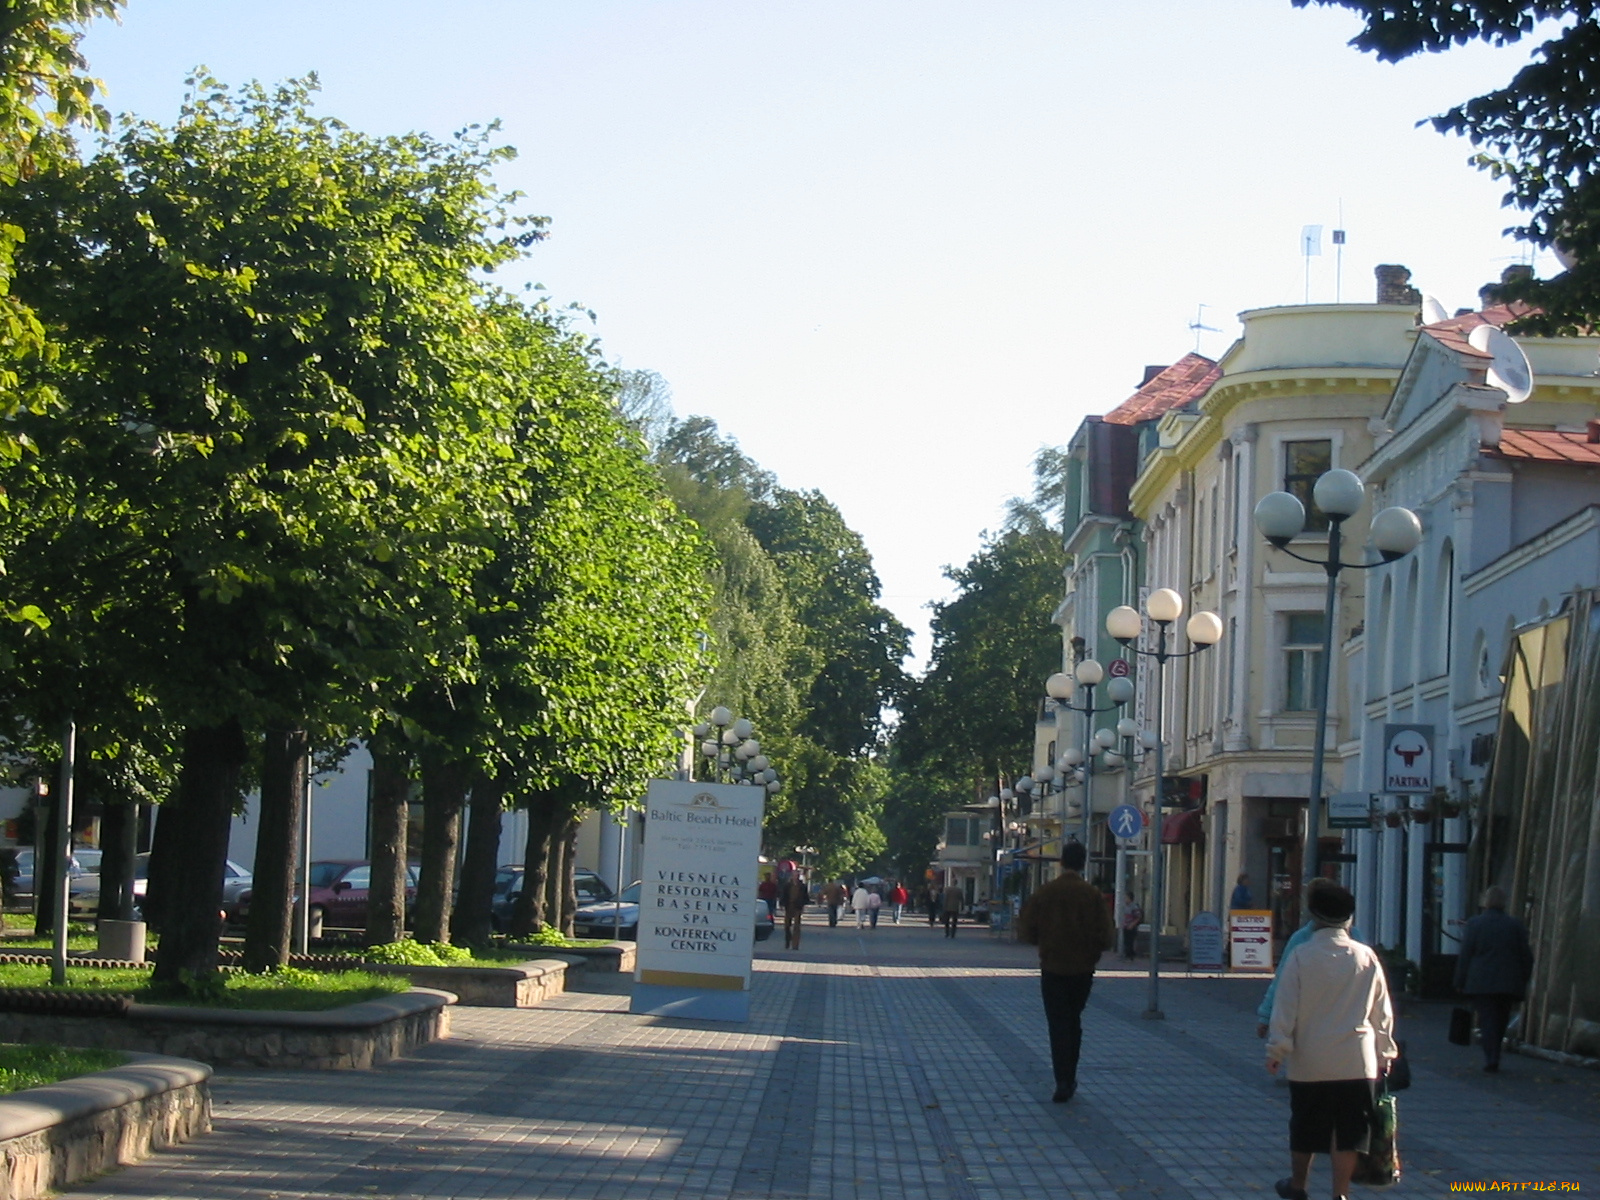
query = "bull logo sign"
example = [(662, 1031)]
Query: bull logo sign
[(1407, 759)]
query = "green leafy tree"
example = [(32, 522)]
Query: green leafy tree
[(972, 715), (1539, 133), (282, 424)]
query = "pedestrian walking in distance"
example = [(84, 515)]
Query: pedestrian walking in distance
[(898, 898), (1132, 918), (834, 896), (1493, 969), (860, 902), (1068, 920), (874, 903), (1333, 1028), (795, 896), (950, 904), (1241, 897)]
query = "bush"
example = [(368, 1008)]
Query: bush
[(410, 953)]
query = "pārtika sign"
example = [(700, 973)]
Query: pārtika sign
[(1408, 759)]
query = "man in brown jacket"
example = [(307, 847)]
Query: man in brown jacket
[(1070, 923)]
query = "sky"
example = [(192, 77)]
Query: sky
[(896, 246)]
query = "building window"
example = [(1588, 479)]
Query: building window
[(1302, 654), (1303, 464), (961, 831)]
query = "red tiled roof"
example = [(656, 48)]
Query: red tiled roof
[(1454, 332), (1187, 379), (1545, 445)]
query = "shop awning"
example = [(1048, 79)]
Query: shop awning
[(1183, 828)]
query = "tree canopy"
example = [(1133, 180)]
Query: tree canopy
[(1540, 133)]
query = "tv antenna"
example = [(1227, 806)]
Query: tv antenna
[(1199, 325)]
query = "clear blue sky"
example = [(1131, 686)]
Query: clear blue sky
[(894, 246)]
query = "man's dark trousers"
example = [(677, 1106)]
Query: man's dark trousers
[(833, 914), (1064, 998), (951, 916)]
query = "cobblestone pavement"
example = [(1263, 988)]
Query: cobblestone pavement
[(891, 1064)]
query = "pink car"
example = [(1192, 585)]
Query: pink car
[(339, 893)]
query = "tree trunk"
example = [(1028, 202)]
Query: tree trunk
[(284, 761), (569, 874), (555, 864), (196, 836), (544, 814), (390, 804), (444, 791), (119, 841), (472, 923), (45, 873)]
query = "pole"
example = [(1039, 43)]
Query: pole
[(1312, 865), (1088, 768), (1158, 873), (303, 905), (616, 903), (63, 848)]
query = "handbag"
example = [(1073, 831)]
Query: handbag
[(1379, 1164), (1398, 1076), (1461, 1027)]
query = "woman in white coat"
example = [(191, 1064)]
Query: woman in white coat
[(861, 901), (1333, 1026)]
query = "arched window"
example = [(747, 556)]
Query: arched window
[(1378, 637), (1447, 589)]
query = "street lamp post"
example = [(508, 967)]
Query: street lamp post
[(1163, 606), (1281, 517), (1059, 687)]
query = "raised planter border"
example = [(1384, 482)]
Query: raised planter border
[(513, 985), (613, 957), (352, 1037), (62, 1133)]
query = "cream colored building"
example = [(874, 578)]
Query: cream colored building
[(1300, 393)]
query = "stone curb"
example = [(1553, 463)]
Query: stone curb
[(352, 1016), (146, 1075)]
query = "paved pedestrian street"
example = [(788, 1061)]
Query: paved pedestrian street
[(889, 1064)]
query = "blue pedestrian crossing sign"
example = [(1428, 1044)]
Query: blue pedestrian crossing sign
[(1126, 821)]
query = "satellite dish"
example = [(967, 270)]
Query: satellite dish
[(1509, 371), (1432, 311)]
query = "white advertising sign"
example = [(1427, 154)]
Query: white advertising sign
[(697, 899), (1205, 941), (1408, 759), (1250, 938)]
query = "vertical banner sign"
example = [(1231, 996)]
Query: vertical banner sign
[(1408, 759), (1205, 941), (697, 900), (1250, 938)]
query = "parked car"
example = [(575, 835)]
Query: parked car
[(85, 860), (605, 921), (339, 890), (590, 887), (84, 899)]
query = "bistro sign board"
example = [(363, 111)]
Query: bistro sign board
[(1408, 760), (697, 900)]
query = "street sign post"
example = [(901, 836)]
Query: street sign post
[(1250, 938), (1125, 822)]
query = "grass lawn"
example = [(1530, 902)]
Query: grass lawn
[(34, 1066), (33, 945), (295, 990)]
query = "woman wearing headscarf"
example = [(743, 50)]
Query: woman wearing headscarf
[(1333, 1027)]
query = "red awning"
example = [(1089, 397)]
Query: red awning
[(1183, 828)]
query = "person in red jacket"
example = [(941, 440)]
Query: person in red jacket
[(898, 898), (767, 893)]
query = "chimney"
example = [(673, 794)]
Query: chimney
[(1394, 285), (1151, 372)]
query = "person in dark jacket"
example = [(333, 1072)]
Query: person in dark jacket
[(1071, 924), (1493, 969)]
